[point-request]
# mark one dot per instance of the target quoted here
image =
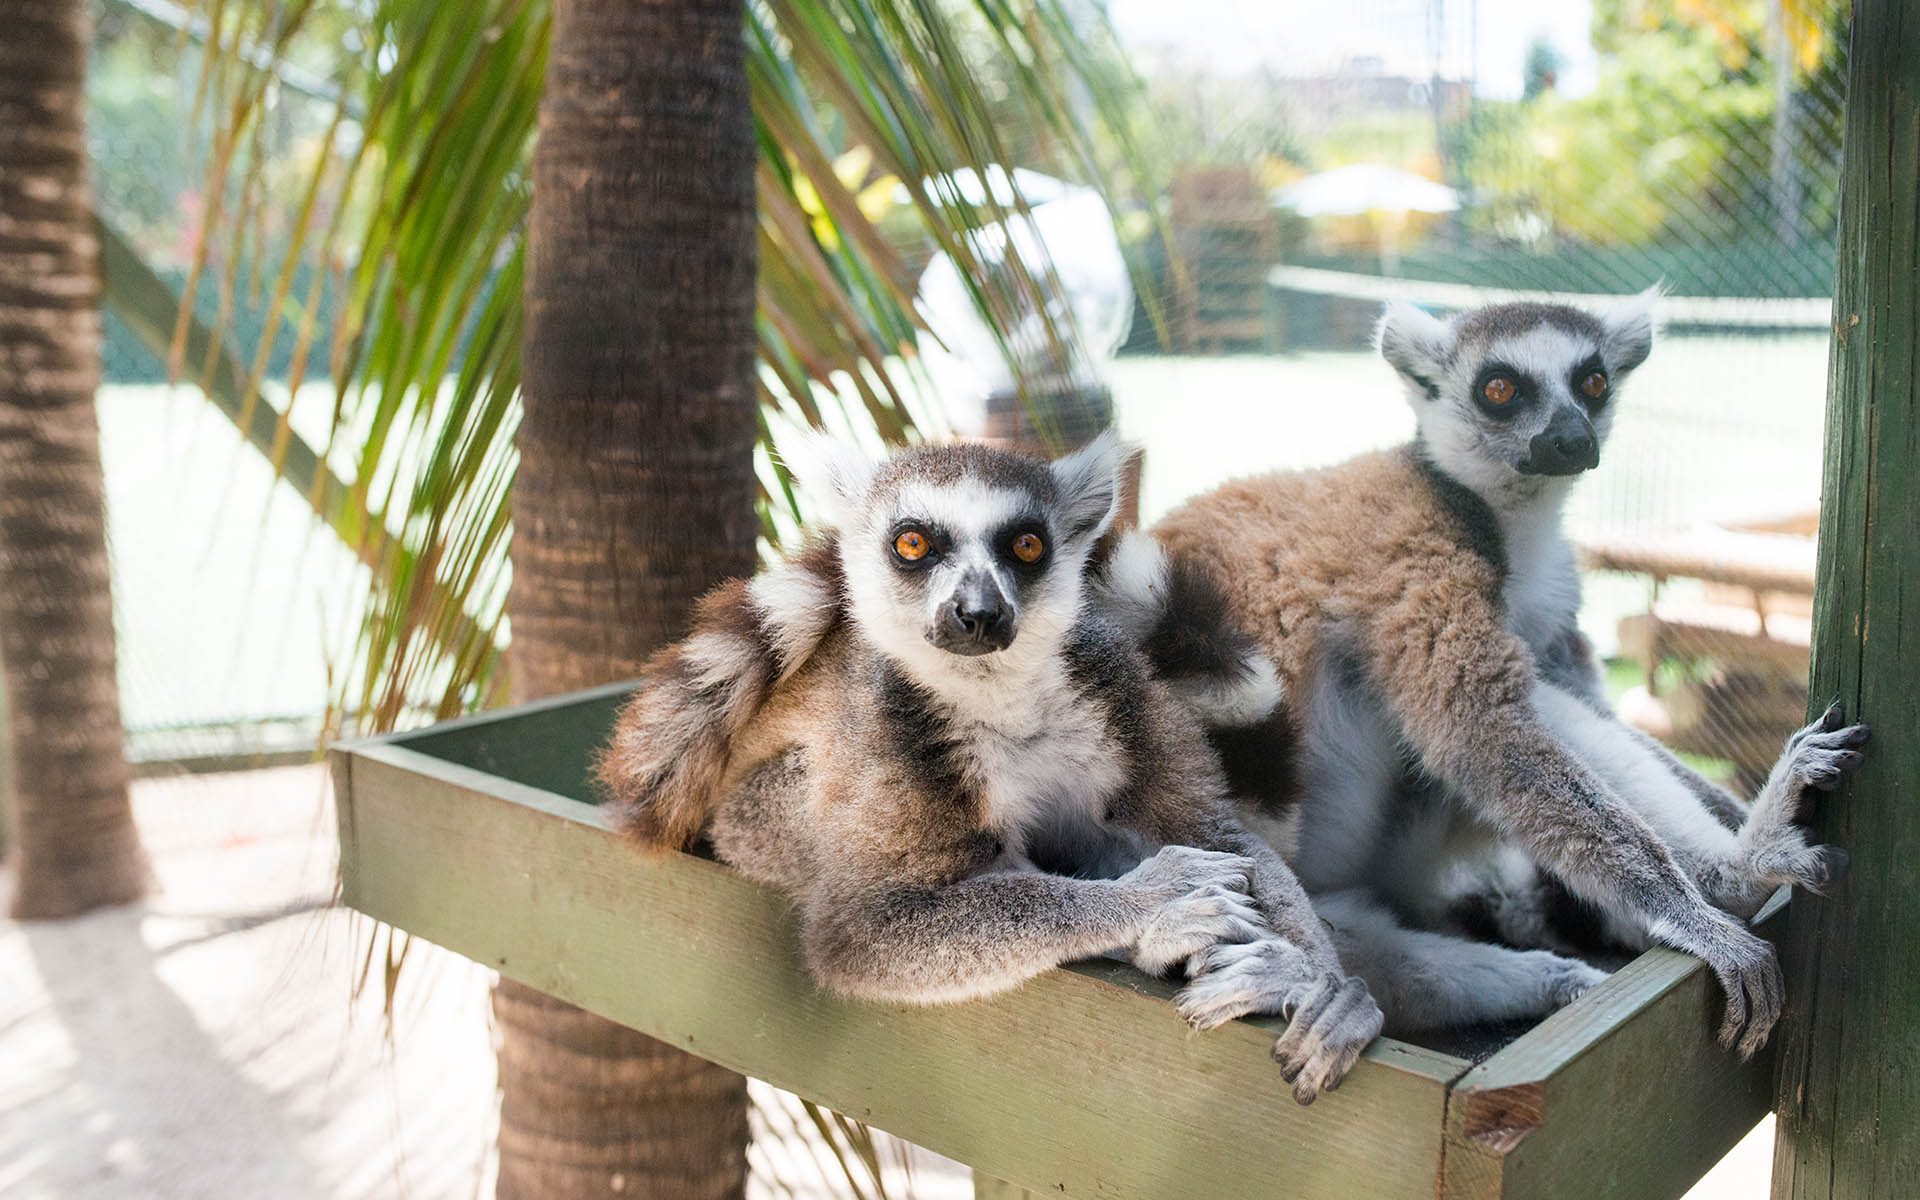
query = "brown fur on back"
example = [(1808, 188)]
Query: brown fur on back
[(1385, 573)]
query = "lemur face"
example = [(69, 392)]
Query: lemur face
[(969, 552), (1516, 390)]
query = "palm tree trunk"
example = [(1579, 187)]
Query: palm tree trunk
[(73, 841), (635, 494)]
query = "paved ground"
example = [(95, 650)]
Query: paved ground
[(209, 1043)]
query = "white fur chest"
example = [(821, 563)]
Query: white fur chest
[(1542, 591), (1053, 763)]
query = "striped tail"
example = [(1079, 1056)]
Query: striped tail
[(673, 741), (1178, 616)]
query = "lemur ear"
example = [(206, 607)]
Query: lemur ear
[(832, 474), (1089, 483), (1630, 327), (1416, 344)]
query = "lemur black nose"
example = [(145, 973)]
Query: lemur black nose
[(974, 625), (1565, 447), (977, 620)]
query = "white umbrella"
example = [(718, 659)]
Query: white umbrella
[(1364, 188)]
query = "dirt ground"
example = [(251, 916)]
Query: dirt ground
[(212, 1042)]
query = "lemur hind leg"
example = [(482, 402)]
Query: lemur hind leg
[(1773, 841), (1427, 980)]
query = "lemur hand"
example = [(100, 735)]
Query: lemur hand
[(1331, 1016), (1196, 899), (1774, 840), (1748, 971)]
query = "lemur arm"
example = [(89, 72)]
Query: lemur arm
[(1460, 686), (1726, 808), (1180, 798), (1180, 819), (900, 941), (1569, 664)]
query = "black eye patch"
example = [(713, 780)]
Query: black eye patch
[(1503, 392), (1590, 366), (930, 543), (1007, 552)]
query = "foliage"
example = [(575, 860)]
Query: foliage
[(1221, 120), (398, 209), (1678, 140), (409, 200)]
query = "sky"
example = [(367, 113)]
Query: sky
[(1484, 39)]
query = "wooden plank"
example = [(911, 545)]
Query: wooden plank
[(1849, 1089), (1623, 1095), (986, 1187), (1084, 1082), (547, 744), (1651, 637), (1767, 562)]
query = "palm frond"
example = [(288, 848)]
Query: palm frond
[(407, 211)]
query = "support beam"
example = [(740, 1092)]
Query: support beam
[(1849, 1089)]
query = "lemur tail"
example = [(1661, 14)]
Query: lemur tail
[(672, 741), (1178, 616)]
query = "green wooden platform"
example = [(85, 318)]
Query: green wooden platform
[(474, 834)]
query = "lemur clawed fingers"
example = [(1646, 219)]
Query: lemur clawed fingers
[(1774, 837), (1749, 974), (1175, 870), (1332, 1017), (1325, 1036), (1187, 926), (1235, 980)]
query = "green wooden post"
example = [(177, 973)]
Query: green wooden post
[(1849, 1090)]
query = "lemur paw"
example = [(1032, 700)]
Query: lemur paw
[(1325, 1036), (1332, 1017), (1199, 899), (1175, 870), (1749, 973), (1821, 755), (1817, 758), (1565, 980), (1232, 981), (1194, 923)]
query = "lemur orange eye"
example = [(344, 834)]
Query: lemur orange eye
[(1499, 390), (1594, 385), (1028, 547), (912, 545)]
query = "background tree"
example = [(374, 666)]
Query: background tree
[(635, 495), (72, 838), (633, 484)]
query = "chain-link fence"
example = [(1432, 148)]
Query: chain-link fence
[(1693, 144)]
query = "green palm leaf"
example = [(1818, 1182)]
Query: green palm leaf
[(408, 211), (412, 209)]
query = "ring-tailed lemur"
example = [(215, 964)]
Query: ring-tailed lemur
[(1419, 604), (921, 731)]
